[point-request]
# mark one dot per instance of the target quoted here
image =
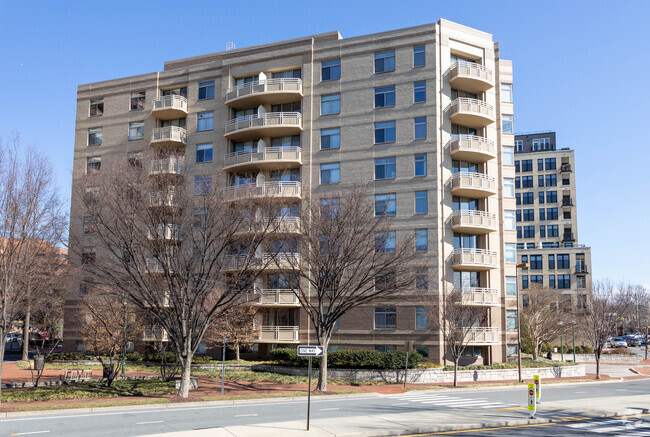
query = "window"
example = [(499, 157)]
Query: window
[(511, 320), (420, 128), (96, 107), (529, 215), (385, 204), (385, 61), (330, 138), (205, 121), (422, 278), (506, 92), (206, 90), (506, 124), (331, 70), (524, 282), (95, 136), (552, 230), (540, 180), (421, 318), (566, 181), (511, 285), (385, 168), (202, 184), (88, 255), (384, 96), (527, 165), (563, 261), (419, 91), (330, 104), (509, 220), (528, 198), (551, 180), (136, 130), (421, 202), (383, 348), (517, 183), (508, 155), (542, 214), (178, 91), (517, 166), (288, 74), (93, 165), (137, 100), (419, 56), (551, 281), (288, 141), (519, 233), (519, 145), (385, 132), (541, 197), (330, 207), (511, 253), (508, 187), (529, 231), (551, 196), (330, 173), (527, 182), (541, 144), (550, 163), (204, 153), (551, 213), (551, 262), (518, 215), (421, 240), (287, 107), (536, 262), (581, 282), (385, 242), (421, 165), (542, 231), (563, 281), (89, 226), (540, 164), (385, 318)]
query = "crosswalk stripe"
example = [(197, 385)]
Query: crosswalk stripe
[(458, 404), (597, 423)]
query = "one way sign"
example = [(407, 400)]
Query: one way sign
[(310, 351)]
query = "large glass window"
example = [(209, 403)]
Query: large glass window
[(527, 165), (385, 242), (511, 319), (536, 262), (93, 165), (541, 144), (508, 187), (137, 100), (529, 215), (419, 91), (563, 261), (331, 70), (202, 184), (421, 318), (508, 155), (420, 128), (506, 92), (95, 136), (385, 168), (511, 253), (421, 202), (206, 90), (511, 285), (204, 152), (136, 130), (330, 138), (421, 240), (385, 61), (288, 141), (506, 124), (551, 180), (205, 121), (419, 56), (529, 231), (330, 173), (330, 104), (563, 281), (551, 262), (384, 96), (528, 198), (551, 213), (385, 318), (551, 281), (385, 204), (96, 107), (553, 231), (385, 132), (509, 220), (551, 196), (421, 165)]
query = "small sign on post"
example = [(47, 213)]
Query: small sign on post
[(310, 351), (532, 400), (538, 388)]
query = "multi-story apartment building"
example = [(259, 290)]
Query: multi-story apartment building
[(424, 113), (547, 223)]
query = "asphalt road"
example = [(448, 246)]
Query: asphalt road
[(158, 420)]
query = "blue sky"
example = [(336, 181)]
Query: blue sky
[(572, 62)]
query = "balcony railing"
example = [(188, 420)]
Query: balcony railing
[(479, 335), (471, 112), (167, 166), (278, 334), (267, 120), (471, 184), (162, 199), (154, 333), (169, 135), (472, 219), (165, 232), (279, 298), (168, 107), (267, 189), (477, 296), (479, 259), (257, 87), (568, 236), (565, 168), (472, 147), (282, 261), (567, 202), (155, 266), (470, 76), (267, 155)]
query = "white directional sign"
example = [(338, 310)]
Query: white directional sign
[(310, 351)]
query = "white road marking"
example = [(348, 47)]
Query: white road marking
[(28, 433), (597, 423), (621, 389), (328, 409), (147, 423), (403, 403), (580, 392), (245, 415)]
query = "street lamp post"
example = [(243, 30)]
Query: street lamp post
[(523, 266), (124, 338)]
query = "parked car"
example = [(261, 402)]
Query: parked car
[(618, 342)]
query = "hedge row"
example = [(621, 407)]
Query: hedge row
[(348, 359)]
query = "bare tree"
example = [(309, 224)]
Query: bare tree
[(30, 210), (638, 312), (181, 254), (348, 258), (236, 325), (606, 307), (542, 316), (456, 321)]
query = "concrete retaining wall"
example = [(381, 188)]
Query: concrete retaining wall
[(433, 375), (607, 358)]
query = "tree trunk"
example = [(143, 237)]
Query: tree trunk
[(597, 365), (2, 357), (322, 369), (237, 352), (455, 372), (536, 350), (186, 373), (28, 317)]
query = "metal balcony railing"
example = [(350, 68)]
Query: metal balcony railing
[(276, 297), (283, 153), (477, 296), (278, 334), (170, 102), (270, 189), (167, 166), (154, 333), (470, 70), (479, 335), (475, 257), (473, 144), (269, 119), (173, 134), (472, 218), (472, 180), (265, 86), (565, 168), (473, 106)]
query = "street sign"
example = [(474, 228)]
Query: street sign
[(538, 386), (532, 404), (408, 346), (310, 351)]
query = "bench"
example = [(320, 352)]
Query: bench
[(77, 375)]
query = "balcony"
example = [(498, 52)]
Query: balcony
[(168, 137), (264, 92), (169, 107), (580, 269), (474, 259), (475, 296), (161, 199), (276, 298), (154, 333), (567, 202), (473, 222), (267, 158), (275, 189), (277, 225), (568, 236), (474, 185), (171, 166), (471, 148), (565, 168), (277, 334), (478, 336), (169, 233), (273, 124), (471, 112), (156, 267), (470, 77), (267, 262)]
